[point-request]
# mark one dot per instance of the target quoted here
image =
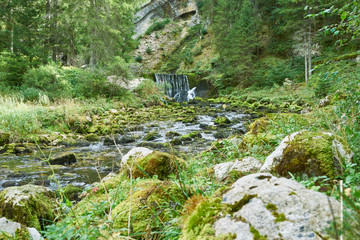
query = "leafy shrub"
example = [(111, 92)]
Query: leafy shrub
[(13, 67), (32, 94), (47, 78), (149, 92), (324, 84), (138, 58), (157, 26), (148, 50)]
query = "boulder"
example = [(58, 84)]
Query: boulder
[(30, 205), (221, 135), (63, 159), (138, 152), (10, 229), (222, 120), (261, 206), (172, 134), (156, 163), (245, 165), (315, 154), (151, 136), (147, 205)]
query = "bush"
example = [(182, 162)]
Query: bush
[(324, 84), (157, 26), (47, 78), (32, 94), (12, 68)]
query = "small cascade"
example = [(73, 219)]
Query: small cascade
[(176, 86)]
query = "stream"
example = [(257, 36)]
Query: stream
[(95, 160)]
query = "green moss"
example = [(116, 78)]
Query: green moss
[(279, 217), (310, 153), (256, 234), (151, 136), (222, 120), (242, 202), (158, 163), (198, 225), (29, 205), (271, 207), (151, 206)]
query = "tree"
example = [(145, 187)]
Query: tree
[(237, 27)]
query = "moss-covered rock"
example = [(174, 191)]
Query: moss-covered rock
[(259, 125), (157, 163), (151, 136), (63, 159), (72, 192), (149, 207), (30, 205), (222, 120), (312, 153), (92, 137)]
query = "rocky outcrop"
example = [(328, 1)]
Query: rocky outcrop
[(315, 154), (261, 206), (245, 165), (273, 207), (30, 205), (154, 9)]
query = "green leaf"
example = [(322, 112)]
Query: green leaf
[(343, 16)]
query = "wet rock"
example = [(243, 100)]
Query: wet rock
[(8, 184), (154, 145), (222, 121), (63, 159), (151, 136), (172, 134), (221, 135), (245, 165), (176, 141), (127, 139), (92, 137), (315, 154), (20, 174), (70, 142), (22, 150), (30, 205), (16, 230), (276, 207)]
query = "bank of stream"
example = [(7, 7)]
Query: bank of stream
[(190, 130)]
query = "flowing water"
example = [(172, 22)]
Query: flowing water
[(176, 86), (95, 160)]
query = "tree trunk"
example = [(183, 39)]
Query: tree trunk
[(306, 68), (92, 33), (55, 34), (309, 48)]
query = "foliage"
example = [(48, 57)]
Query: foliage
[(156, 26)]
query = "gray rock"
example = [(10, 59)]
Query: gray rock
[(249, 164), (138, 152), (276, 207), (10, 227), (312, 153), (63, 159)]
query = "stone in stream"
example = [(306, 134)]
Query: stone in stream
[(151, 136), (30, 205), (63, 159), (222, 121), (172, 134), (221, 135), (261, 206)]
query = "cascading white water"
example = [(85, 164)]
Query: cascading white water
[(176, 86)]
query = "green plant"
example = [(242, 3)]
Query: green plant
[(139, 58), (156, 26), (148, 50)]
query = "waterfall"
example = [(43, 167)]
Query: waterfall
[(176, 86)]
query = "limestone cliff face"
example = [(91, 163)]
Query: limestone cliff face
[(175, 9)]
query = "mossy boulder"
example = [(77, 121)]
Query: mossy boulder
[(66, 158), (312, 153), (149, 207), (151, 136), (30, 205), (172, 134), (92, 137), (72, 192), (222, 120), (157, 163)]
